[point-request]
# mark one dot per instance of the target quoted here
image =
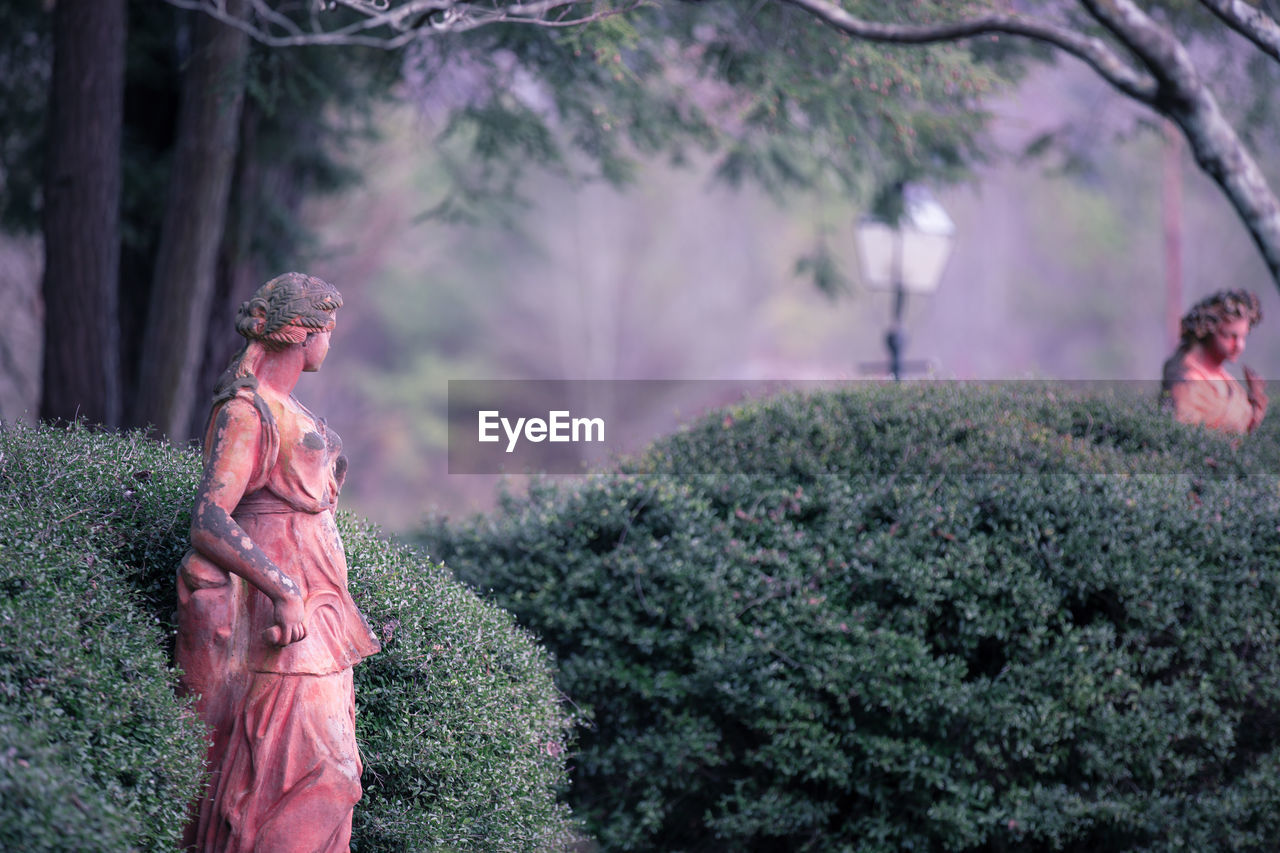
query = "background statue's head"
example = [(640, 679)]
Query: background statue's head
[(1225, 306), (287, 309)]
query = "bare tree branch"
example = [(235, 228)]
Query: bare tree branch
[(1250, 21), (389, 24), (1137, 84), (1156, 47), (1151, 67), (1168, 81)]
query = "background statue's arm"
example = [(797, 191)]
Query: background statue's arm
[(235, 446), (1257, 388)]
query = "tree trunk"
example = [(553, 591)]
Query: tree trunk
[(236, 272), (195, 214), (261, 181), (82, 213), (1221, 154), (1171, 217)]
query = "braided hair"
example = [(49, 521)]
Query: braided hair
[(282, 313)]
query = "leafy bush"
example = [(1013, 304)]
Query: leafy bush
[(463, 733), (913, 617), (95, 752)]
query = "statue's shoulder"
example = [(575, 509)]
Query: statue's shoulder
[(242, 402), (241, 411), (240, 408)]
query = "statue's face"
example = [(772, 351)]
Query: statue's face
[(314, 349), (1227, 342)]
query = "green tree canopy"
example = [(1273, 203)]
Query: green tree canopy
[(1151, 54)]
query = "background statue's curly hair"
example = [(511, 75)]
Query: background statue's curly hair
[(1209, 313), (1205, 318)]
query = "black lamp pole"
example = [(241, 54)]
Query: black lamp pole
[(894, 339)]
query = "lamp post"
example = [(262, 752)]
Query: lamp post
[(906, 256)]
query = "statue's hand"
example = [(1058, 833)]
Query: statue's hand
[(290, 625)]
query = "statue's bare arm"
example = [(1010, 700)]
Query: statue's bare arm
[(1257, 388), (235, 441)]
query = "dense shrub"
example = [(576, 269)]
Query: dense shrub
[(929, 618), (95, 753), (462, 730)]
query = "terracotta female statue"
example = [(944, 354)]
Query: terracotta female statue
[(1195, 380), (267, 631)]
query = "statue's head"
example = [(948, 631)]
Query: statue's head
[(287, 309), (1212, 312), (282, 313)]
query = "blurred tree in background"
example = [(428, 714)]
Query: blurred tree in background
[(781, 103), (207, 195), (1155, 58), (1148, 56)]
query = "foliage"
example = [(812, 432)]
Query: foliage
[(463, 734), (95, 752), (913, 617), (784, 103), (780, 102), (24, 82)]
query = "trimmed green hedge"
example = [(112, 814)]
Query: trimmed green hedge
[(463, 733), (916, 617), (95, 753)]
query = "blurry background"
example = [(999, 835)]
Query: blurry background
[(1055, 273), (1058, 270)]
